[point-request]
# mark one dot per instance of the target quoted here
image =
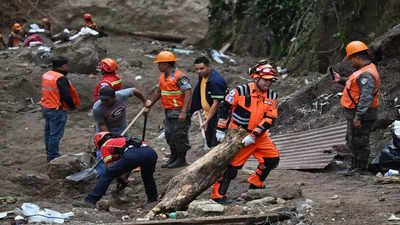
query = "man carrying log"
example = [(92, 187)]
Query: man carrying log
[(252, 106)]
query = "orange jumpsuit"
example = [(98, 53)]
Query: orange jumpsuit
[(254, 111)]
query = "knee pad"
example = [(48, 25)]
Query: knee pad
[(231, 173), (271, 163)]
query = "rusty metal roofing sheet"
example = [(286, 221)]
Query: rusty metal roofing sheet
[(307, 149)]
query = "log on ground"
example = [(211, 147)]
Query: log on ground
[(200, 175)]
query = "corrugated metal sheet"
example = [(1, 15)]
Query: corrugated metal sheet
[(308, 149)]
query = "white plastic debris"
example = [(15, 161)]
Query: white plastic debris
[(138, 77), (45, 49), (35, 29), (34, 43), (35, 214), (391, 173), (183, 51), (3, 214), (162, 135), (66, 31), (125, 218), (217, 55), (394, 218), (84, 31)]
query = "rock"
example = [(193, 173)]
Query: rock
[(280, 201), (30, 179), (11, 200), (235, 211), (135, 63), (383, 46), (104, 205), (83, 53), (288, 192), (68, 164), (253, 194), (262, 202), (205, 207)]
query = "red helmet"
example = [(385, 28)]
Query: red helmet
[(108, 65), (99, 138), (87, 16), (263, 70)]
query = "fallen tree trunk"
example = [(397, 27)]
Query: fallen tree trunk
[(200, 175), (268, 218), (160, 36)]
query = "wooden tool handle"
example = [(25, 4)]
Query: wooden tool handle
[(133, 121), (203, 133)]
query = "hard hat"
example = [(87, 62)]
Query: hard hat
[(45, 20), (165, 56), (17, 26), (108, 65), (263, 70), (87, 16), (98, 138), (354, 47)]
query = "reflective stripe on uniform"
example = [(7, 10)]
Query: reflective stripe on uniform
[(116, 82), (171, 92), (107, 158), (51, 89), (218, 96)]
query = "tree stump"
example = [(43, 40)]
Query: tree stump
[(200, 175)]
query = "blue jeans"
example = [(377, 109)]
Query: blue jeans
[(53, 131), (145, 157), (101, 167)]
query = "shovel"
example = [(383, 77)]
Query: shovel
[(203, 133), (91, 171)]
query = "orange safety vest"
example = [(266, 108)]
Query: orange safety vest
[(351, 91), (251, 109), (51, 94), (15, 41), (113, 80), (171, 95)]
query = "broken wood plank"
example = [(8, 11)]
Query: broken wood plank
[(268, 218), (387, 180), (200, 175)]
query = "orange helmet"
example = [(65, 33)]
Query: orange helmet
[(100, 138), (17, 26), (108, 65), (263, 70), (165, 56), (354, 47), (87, 16)]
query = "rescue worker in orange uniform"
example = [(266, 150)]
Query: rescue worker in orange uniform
[(122, 155), (252, 106), (108, 67), (16, 36), (175, 92), (360, 100), (58, 95)]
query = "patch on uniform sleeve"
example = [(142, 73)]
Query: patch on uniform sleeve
[(104, 85), (232, 93), (364, 81), (229, 99)]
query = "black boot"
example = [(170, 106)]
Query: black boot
[(171, 159), (180, 160)]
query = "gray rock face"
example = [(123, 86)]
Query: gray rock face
[(186, 18), (205, 207), (30, 179), (262, 202), (68, 164), (83, 53)]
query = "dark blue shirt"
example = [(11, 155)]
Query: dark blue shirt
[(215, 89)]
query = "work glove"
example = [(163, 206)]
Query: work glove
[(248, 140), (220, 135)]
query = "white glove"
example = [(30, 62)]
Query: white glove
[(220, 135), (248, 140)]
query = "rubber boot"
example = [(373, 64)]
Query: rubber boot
[(180, 160), (171, 159)]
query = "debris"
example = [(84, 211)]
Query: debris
[(35, 214), (84, 31), (125, 218), (142, 219), (138, 77), (183, 51), (162, 135), (225, 47), (205, 207), (334, 197), (253, 194), (216, 56), (387, 180), (391, 173), (394, 218), (192, 181), (160, 36), (11, 200), (3, 215), (36, 29)]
